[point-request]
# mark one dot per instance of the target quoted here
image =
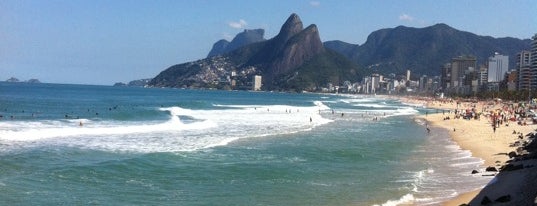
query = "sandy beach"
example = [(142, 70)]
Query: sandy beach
[(477, 135)]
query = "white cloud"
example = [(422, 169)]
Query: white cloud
[(315, 3), (241, 24), (406, 17)]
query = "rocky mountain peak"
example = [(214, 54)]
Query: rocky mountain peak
[(299, 49), (295, 59), (218, 48), (292, 26), (244, 38)]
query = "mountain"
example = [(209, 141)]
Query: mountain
[(341, 46), (219, 48), (294, 60), (291, 48), (242, 39), (424, 50)]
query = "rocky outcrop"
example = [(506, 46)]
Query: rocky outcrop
[(292, 47), (300, 48), (515, 183), (291, 27), (218, 48), (294, 60), (274, 46), (242, 39)]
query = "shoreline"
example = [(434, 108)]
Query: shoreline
[(476, 135)]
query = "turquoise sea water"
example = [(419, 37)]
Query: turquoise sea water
[(98, 145)]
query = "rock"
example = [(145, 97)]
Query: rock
[(505, 198), (219, 47), (475, 171), (294, 60), (485, 200), (511, 167), (248, 36), (491, 169), (292, 26), (512, 154)]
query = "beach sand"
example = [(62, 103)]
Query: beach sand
[(477, 136)]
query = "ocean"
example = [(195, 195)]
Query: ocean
[(102, 145)]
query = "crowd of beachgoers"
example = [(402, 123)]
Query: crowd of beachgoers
[(500, 132)]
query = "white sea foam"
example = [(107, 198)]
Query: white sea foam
[(413, 105), (358, 100), (47, 130), (372, 105), (405, 199), (204, 128)]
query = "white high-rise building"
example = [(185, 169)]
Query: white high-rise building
[(523, 66), (257, 83), (498, 66), (533, 62)]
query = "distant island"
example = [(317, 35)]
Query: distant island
[(33, 81), (134, 83)]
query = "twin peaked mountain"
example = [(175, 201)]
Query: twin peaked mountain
[(294, 60), (297, 60)]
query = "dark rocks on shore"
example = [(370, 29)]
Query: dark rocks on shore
[(491, 169), (505, 198), (515, 183), (485, 201), (512, 154), (511, 167), (502, 199), (475, 171)]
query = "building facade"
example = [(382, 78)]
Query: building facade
[(498, 65), (523, 66), (257, 83), (463, 74), (533, 62)]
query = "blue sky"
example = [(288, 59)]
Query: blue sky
[(103, 41)]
